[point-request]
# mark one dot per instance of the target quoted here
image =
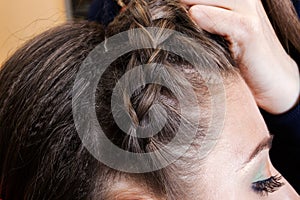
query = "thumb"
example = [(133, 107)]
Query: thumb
[(217, 20)]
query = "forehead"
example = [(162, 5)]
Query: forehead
[(243, 130), (243, 121), (244, 126)]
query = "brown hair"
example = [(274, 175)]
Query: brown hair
[(41, 154), (285, 22)]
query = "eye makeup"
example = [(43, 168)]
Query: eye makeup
[(264, 187), (262, 171)]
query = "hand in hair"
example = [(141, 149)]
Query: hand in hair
[(268, 70)]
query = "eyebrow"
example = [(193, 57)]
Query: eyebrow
[(266, 143)]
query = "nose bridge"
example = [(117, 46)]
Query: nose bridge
[(287, 192)]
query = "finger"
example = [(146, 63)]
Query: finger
[(218, 21), (225, 4), (241, 6)]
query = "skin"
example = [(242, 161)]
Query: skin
[(268, 70), (239, 138), (237, 141), (125, 188)]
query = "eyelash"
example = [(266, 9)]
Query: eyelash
[(267, 186)]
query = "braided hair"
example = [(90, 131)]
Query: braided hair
[(41, 153)]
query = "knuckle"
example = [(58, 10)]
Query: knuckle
[(246, 30)]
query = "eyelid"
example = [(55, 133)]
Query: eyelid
[(262, 170)]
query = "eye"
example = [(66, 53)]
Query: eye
[(264, 187)]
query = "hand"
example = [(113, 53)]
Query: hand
[(268, 70)]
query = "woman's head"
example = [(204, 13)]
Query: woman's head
[(43, 157)]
